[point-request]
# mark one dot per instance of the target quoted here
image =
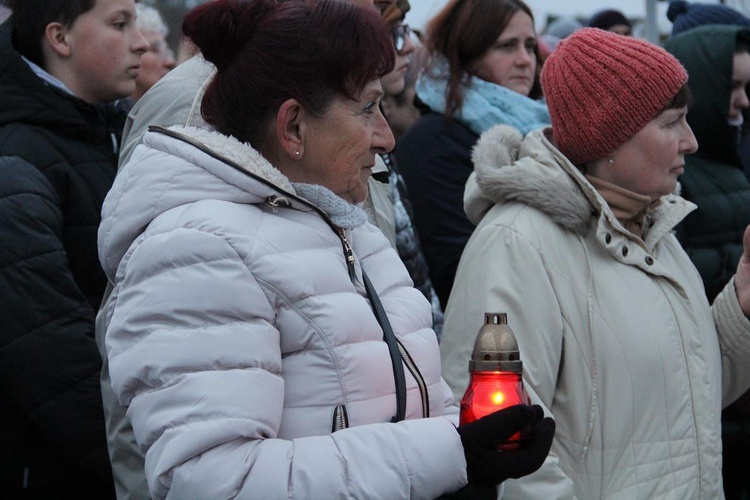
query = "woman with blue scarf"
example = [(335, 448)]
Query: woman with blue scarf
[(483, 70)]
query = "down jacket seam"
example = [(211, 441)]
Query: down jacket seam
[(329, 347)]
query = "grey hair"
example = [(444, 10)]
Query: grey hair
[(149, 20)]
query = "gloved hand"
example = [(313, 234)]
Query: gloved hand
[(488, 466)]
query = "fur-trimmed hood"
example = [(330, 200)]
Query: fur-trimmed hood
[(510, 169), (178, 166), (532, 171)]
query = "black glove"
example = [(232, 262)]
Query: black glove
[(472, 491), (488, 466)]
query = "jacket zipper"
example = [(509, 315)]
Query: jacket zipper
[(421, 384), (340, 418), (348, 252)]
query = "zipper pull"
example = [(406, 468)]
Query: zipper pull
[(277, 201), (348, 253)]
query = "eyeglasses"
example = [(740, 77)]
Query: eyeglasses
[(400, 33)]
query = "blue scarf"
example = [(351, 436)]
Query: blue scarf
[(485, 104)]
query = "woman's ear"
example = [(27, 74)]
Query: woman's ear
[(291, 128), (55, 37)]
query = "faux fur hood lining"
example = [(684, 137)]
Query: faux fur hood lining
[(532, 171), (240, 153), (532, 180)]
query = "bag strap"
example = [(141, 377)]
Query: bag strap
[(390, 338)]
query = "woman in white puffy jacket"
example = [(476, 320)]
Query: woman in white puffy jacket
[(241, 332)]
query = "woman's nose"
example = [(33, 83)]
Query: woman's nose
[(383, 140)]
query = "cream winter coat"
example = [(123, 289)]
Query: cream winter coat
[(617, 339), (238, 340)]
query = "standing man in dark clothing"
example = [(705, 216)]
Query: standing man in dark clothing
[(63, 66)]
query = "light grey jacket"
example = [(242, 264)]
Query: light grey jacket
[(617, 339), (239, 339), (176, 100)]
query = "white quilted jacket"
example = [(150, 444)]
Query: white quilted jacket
[(235, 336)]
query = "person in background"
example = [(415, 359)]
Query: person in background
[(557, 30), (63, 66), (717, 58), (399, 107), (159, 58), (482, 71), (407, 241), (245, 239), (4, 12), (611, 20), (688, 15), (575, 242)]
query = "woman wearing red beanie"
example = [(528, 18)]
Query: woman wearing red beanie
[(575, 242)]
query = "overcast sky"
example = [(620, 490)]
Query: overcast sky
[(422, 10)]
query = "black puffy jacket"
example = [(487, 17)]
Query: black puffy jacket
[(58, 159)]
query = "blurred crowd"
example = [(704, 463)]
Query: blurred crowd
[(254, 265)]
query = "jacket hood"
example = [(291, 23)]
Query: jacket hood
[(179, 166), (508, 169), (707, 53), (532, 171)]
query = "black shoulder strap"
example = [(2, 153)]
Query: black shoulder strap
[(390, 339)]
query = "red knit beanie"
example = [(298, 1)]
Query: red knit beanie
[(601, 88)]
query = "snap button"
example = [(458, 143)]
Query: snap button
[(608, 238), (624, 251), (649, 260)]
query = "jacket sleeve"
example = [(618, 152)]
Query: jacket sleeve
[(195, 355), (485, 282), (734, 339), (49, 363)]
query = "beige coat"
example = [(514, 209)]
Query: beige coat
[(617, 339)]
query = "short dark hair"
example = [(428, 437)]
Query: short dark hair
[(268, 51), (742, 44), (682, 98), (31, 17), (463, 31)]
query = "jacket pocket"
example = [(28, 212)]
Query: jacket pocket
[(340, 418)]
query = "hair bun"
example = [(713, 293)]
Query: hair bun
[(221, 28), (676, 8)]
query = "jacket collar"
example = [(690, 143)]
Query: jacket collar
[(533, 172)]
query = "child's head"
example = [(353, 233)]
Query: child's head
[(92, 46)]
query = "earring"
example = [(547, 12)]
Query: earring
[(611, 162), (296, 153)]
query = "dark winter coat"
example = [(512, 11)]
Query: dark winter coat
[(435, 176), (714, 178), (57, 162)]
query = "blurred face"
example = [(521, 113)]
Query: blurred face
[(511, 61), (738, 100), (340, 146), (393, 82), (621, 29), (649, 162), (400, 116), (155, 63), (105, 51)]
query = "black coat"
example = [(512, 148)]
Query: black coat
[(434, 158), (58, 159)]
